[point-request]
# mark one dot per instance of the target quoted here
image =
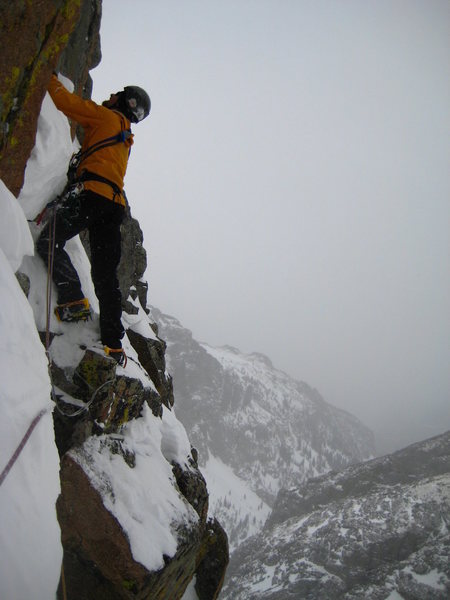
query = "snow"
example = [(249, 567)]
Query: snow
[(394, 595), (190, 593), (225, 487), (145, 499), (45, 175), (15, 238), (434, 579), (28, 568), (264, 581), (139, 322)]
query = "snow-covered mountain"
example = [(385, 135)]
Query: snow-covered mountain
[(256, 429), (378, 531)]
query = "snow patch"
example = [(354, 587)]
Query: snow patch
[(30, 489), (144, 499), (229, 493)]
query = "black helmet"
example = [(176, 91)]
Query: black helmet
[(137, 103)]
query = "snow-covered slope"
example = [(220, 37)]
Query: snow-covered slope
[(379, 530), (30, 484), (255, 422)]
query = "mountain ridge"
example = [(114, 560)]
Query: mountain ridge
[(377, 530), (272, 431)]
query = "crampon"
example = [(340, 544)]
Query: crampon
[(72, 312)]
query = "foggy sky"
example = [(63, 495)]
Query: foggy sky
[(293, 186)]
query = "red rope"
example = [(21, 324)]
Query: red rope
[(21, 446), (37, 418)]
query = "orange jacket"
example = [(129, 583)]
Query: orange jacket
[(98, 123)]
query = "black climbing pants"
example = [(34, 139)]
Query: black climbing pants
[(102, 218)]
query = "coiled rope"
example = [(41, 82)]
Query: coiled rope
[(85, 406)]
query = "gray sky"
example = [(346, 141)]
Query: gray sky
[(293, 186)]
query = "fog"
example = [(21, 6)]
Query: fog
[(292, 183)]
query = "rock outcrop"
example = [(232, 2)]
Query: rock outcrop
[(376, 530), (50, 33), (133, 508), (94, 402)]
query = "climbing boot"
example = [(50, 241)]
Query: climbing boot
[(72, 312), (118, 354)]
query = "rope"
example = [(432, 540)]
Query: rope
[(21, 446), (51, 255), (38, 417), (84, 408)]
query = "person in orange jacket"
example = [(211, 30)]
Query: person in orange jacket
[(95, 201)]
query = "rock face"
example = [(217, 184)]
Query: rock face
[(133, 508), (269, 429), (377, 530), (45, 28)]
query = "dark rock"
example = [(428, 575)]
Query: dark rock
[(212, 569), (151, 354), (24, 282), (193, 487), (84, 41), (113, 400), (133, 262), (97, 556)]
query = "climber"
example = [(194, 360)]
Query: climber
[(94, 200)]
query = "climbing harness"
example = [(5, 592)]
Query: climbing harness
[(75, 183), (85, 175), (80, 156), (89, 176), (70, 192)]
